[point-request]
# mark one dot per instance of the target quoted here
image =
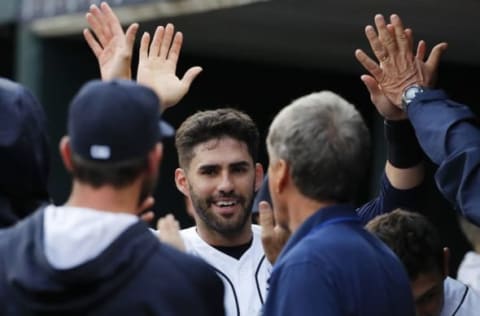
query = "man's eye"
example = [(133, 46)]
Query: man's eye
[(208, 172), (239, 169)]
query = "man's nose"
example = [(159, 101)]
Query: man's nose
[(226, 183)]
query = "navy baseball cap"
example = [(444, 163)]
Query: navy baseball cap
[(24, 149), (263, 194), (113, 121)]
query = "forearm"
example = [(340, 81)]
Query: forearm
[(450, 135), (444, 128), (389, 199)]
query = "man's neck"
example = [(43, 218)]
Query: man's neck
[(215, 238), (105, 198), (300, 208)]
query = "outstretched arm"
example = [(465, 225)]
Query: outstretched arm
[(158, 63), (448, 132), (110, 45), (404, 167)]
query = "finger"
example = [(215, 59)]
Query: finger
[(372, 87), (266, 218), (104, 33), (174, 53), (157, 41), (111, 19), (435, 55), (96, 28), (143, 51), (130, 34), (421, 50), (371, 84), (386, 39), (377, 47), (369, 64), (400, 37), (391, 29), (409, 35), (167, 41), (190, 75), (170, 224), (146, 204), (147, 217), (92, 42)]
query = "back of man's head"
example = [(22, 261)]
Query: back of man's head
[(112, 127), (413, 239), (204, 126), (325, 142), (24, 152)]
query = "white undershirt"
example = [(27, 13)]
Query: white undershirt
[(74, 235)]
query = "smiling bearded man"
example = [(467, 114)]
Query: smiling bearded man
[(217, 150)]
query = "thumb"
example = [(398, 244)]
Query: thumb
[(190, 75), (436, 54), (372, 87), (266, 218)]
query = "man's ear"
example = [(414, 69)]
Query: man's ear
[(181, 181), (154, 158), (258, 176), (66, 153), (446, 261), (280, 173)]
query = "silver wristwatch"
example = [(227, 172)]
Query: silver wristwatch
[(410, 93)]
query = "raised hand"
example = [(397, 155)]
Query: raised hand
[(397, 67), (274, 237), (111, 46), (158, 63)]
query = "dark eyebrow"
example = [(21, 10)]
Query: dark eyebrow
[(208, 167), (239, 164)]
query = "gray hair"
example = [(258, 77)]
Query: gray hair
[(326, 144)]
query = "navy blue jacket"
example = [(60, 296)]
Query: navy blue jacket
[(449, 134), (332, 266), (135, 275)]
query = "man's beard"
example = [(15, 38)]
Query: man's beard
[(225, 226)]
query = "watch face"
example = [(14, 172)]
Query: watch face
[(409, 94), (412, 92)]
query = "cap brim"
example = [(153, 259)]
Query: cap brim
[(263, 194), (166, 130)]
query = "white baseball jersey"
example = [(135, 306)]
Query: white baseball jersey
[(245, 279), (460, 300), (469, 270)]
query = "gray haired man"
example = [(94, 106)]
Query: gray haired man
[(317, 147)]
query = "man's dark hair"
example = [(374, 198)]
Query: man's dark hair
[(117, 174), (204, 126), (413, 239)]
